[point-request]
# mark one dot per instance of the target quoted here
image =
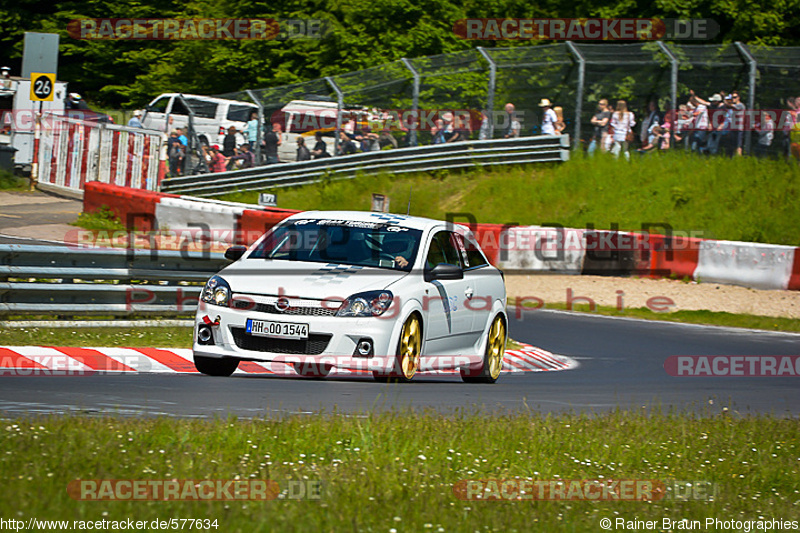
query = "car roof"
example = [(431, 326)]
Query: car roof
[(405, 221), (203, 97)]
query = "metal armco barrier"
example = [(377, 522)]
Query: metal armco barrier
[(72, 152), (522, 150), (59, 280)]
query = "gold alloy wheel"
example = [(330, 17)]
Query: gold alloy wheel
[(496, 348), (410, 347)]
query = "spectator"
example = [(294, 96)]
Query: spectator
[(302, 152), (600, 122), (560, 125), (346, 145), (653, 118), (766, 134), (272, 141), (74, 101), (369, 142), (699, 136), (218, 161), (229, 143), (717, 113), (437, 132), (136, 120), (386, 139), (657, 139), (450, 132), (513, 129), (5, 78), (683, 123), (549, 117), (252, 130), (175, 153), (486, 127), (185, 142), (623, 122), (244, 159), (320, 148)]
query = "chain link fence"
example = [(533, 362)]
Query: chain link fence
[(407, 102)]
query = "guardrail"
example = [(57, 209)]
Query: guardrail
[(542, 148), (66, 281)]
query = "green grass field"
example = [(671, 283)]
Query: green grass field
[(396, 471), (745, 199)]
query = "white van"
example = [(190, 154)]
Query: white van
[(213, 116)]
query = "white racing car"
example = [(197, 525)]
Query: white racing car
[(390, 294)]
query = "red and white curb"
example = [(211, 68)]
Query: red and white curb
[(47, 360)]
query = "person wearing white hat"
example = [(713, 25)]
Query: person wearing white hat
[(136, 120), (549, 118), (5, 78)]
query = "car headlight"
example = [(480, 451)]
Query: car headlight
[(216, 292), (370, 303)]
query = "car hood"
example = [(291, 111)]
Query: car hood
[(306, 280)]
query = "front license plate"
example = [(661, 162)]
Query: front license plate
[(278, 330)]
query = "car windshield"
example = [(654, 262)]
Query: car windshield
[(372, 244)]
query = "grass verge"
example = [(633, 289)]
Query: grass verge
[(709, 318), (679, 189), (102, 220), (396, 471)]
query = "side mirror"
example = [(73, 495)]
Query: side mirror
[(444, 271), (234, 253)]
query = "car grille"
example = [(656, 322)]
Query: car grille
[(270, 308), (314, 345)]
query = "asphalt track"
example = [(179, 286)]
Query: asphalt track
[(621, 367)]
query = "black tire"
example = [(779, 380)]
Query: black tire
[(492, 357), (409, 351), (212, 366)]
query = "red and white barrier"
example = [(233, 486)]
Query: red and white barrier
[(760, 266), (72, 152), (68, 361), (530, 248)]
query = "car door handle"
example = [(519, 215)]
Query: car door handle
[(468, 293)]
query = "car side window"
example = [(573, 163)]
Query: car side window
[(442, 250), (160, 105), (178, 108), (471, 256), (202, 108)]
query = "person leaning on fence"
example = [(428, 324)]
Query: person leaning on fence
[(346, 145), (600, 122), (136, 120), (623, 122), (549, 117), (320, 148), (245, 158), (303, 154), (218, 161)]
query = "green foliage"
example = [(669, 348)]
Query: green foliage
[(362, 34), (102, 220), (8, 181), (393, 469)]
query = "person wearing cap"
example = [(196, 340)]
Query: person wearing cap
[(717, 113), (136, 120), (549, 117), (218, 161), (5, 78)]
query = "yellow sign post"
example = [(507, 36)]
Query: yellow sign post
[(42, 86)]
